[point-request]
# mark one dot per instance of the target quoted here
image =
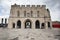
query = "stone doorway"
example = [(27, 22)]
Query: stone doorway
[(27, 23), (18, 24), (37, 24)]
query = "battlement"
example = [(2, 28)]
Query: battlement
[(15, 5), (22, 5)]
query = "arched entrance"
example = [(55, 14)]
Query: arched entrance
[(42, 25), (27, 23), (13, 25), (37, 24), (18, 24)]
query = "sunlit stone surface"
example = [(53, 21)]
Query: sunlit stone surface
[(28, 34)]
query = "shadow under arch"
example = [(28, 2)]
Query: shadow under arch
[(49, 25), (28, 23), (37, 24), (18, 24), (13, 25)]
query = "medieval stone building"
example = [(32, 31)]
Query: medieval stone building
[(28, 22), (29, 16)]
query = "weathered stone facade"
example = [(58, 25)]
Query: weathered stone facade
[(36, 15), (29, 23)]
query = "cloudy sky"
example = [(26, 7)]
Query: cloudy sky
[(53, 5)]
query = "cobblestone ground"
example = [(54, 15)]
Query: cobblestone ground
[(28, 34)]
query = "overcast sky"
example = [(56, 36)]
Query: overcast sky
[(52, 5)]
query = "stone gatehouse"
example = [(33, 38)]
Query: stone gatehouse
[(29, 16)]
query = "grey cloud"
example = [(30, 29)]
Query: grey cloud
[(53, 3), (58, 7), (0, 1), (54, 6)]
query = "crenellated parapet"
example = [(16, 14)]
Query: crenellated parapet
[(41, 6), (15, 5)]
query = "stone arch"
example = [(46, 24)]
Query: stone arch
[(48, 24), (18, 24), (28, 23), (42, 25), (37, 24), (13, 25)]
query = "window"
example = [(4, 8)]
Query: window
[(18, 14), (37, 24), (37, 13), (31, 13), (28, 14), (24, 13)]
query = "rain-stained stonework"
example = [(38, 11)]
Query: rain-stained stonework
[(29, 22), (29, 16)]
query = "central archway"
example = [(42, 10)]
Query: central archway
[(27, 23), (18, 24)]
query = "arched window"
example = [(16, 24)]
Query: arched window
[(37, 13), (28, 24), (18, 13), (37, 24), (13, 25), (43, 26), (28, 14), (48, 24), (18, 24), (24, 13), (31, 13)]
